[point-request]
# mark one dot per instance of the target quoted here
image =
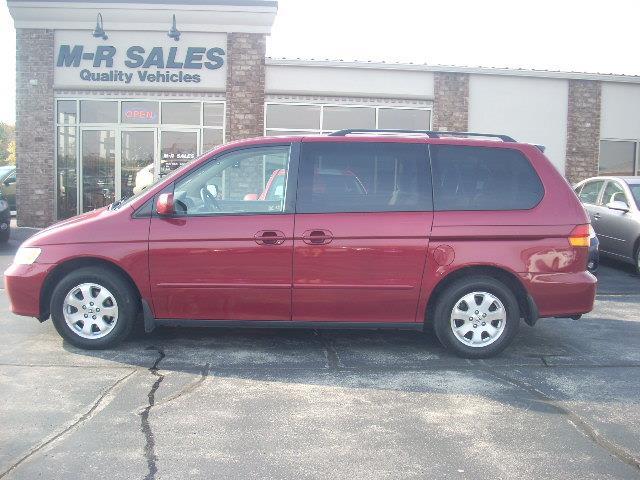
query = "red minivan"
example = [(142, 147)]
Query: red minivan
[(453, 233)]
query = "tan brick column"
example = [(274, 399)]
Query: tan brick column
[(583, 129), (245, 85), (35, 127), (451, 101)]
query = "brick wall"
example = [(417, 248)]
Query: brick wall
[(583, 129), (35, 142), (245, 85), (451, 101)]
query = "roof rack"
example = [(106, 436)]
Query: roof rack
[(429, 133)]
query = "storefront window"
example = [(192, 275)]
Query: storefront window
[(137, 152), (98, 168), (211, 138), (181, 113), (97, 138), (337, 118), (176, 149), (140, 112), (298, 119), (67, 177), (294, 116), (404, 118), (67, 114), (94, 111), (617, 157), (213, 114)]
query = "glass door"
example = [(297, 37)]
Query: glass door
[(177, 147), (98, 168), (137, 160)]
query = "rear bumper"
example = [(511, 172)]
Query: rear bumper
[(24, 284), (561, 294)]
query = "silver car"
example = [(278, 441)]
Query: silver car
[(613, 203)]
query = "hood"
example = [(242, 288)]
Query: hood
[(72, 230)]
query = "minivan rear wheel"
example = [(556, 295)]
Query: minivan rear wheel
[(476, 317), (93, 308)]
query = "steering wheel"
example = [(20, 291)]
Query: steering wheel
[(208, 200)]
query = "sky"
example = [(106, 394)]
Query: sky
[(569, 35)]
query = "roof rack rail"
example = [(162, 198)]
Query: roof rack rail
[(429, 133)]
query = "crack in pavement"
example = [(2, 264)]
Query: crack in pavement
[(189, 388), (150, 443), (99, 404), (331, 354), (581, 425)]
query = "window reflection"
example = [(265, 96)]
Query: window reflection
[(98, 168), (67, 180)]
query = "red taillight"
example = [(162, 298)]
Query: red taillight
[(579, 236)]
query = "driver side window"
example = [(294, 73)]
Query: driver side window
[(247, 181), (613, 192)]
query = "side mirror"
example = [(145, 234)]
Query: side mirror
[(9, 181), (618, 205), (165, 205), (251, 197)]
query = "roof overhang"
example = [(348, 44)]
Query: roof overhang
[(252, 16), (414, 67)]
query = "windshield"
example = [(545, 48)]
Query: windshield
[(635, 191)]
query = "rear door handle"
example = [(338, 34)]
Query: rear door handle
[(317, 236), (269, 237)]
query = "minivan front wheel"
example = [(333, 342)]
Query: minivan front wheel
[(476, 317), (93, 308)]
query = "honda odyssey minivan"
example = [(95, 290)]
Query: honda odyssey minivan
[(458, 234)]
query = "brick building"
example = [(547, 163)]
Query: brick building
[(99, 116)]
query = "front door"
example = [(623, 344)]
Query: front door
[(227, 253), (362, 229), (137, 160), (616, 229), (98, 167), (177, 147)]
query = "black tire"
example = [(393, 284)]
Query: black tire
[(637, 259), (122, 291), (452, 296)]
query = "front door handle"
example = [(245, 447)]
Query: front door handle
[(317, 236), (269, 237), (596, 216)]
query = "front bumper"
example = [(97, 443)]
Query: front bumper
[(562, 294), (24, 284)]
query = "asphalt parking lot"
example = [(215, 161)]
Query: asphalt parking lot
[(562, 402)]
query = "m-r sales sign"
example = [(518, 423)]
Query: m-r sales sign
[(147, 60)]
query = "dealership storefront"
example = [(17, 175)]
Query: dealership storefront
[(112, 96)]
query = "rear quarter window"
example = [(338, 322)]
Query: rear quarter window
[(483, 178)]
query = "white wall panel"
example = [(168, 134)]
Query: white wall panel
[(620, 116), (530, 110), (357, 82)]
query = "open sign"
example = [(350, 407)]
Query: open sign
[(139, 114)]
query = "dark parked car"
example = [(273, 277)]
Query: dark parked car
[(613, 203), (8, 184), (460, 234), (5, 220)]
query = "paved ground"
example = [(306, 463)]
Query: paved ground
[(563, 402)]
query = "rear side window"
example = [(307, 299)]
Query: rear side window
[(483, 178), (363, 177), (590, 191)]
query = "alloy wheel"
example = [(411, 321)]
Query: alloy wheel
[(90, 310), (478, 319)]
